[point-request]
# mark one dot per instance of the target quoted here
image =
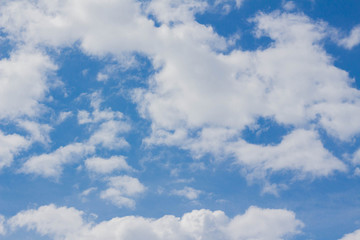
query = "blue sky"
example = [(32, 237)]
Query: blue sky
[(179, 119)]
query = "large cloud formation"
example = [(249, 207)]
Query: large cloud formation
[(64, 223), (200, 97)]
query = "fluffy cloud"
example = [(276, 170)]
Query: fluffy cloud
[(107, 126), (38, 132), (11, 145), (198, 91), (68, 223), (300, 151), (214, 97), (352, 40), (51, 164), (24, 83), (103, 165), (58, 222), (352, 236), (121, 190)]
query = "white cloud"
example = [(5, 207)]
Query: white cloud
[(300, 151), (106, 129), (104, 166), (121, 191), (112, 124), (51, 164), (239, 3), (356, 157), (11, 145), (197, 90), (176, 11), (288, 5), (215, 96), (108, 135), (88, 191), (63, 116), (352, 40), (352, 236), (68, 223), (187, 192), (270, 224), (24, 81), (101, 77), (38, 132), (57, 222)]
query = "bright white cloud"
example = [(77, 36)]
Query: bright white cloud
[(68, 223), (121, 191), (111, 125), (106, 127), (187, 192), (293, 82), (352, 40), (38, 132), (199, 91), (300, 151), (51, 164), (24, 83), (11, 145), (57, 222), (352, 236), (104, 166), (108, 135)]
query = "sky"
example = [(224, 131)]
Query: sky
[(180, 119)]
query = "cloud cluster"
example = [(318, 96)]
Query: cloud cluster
[(200, 98), (64, 223), (107, 127)]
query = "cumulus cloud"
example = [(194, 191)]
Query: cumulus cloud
[(11, 145), (106, 165), (58, 222), (38, 132), (198, 91), (293, 82), (300, 151), (107, 127), (352, 40), (351, 236), (121, 190), (64, 223), (24, 81), (51, 164)]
